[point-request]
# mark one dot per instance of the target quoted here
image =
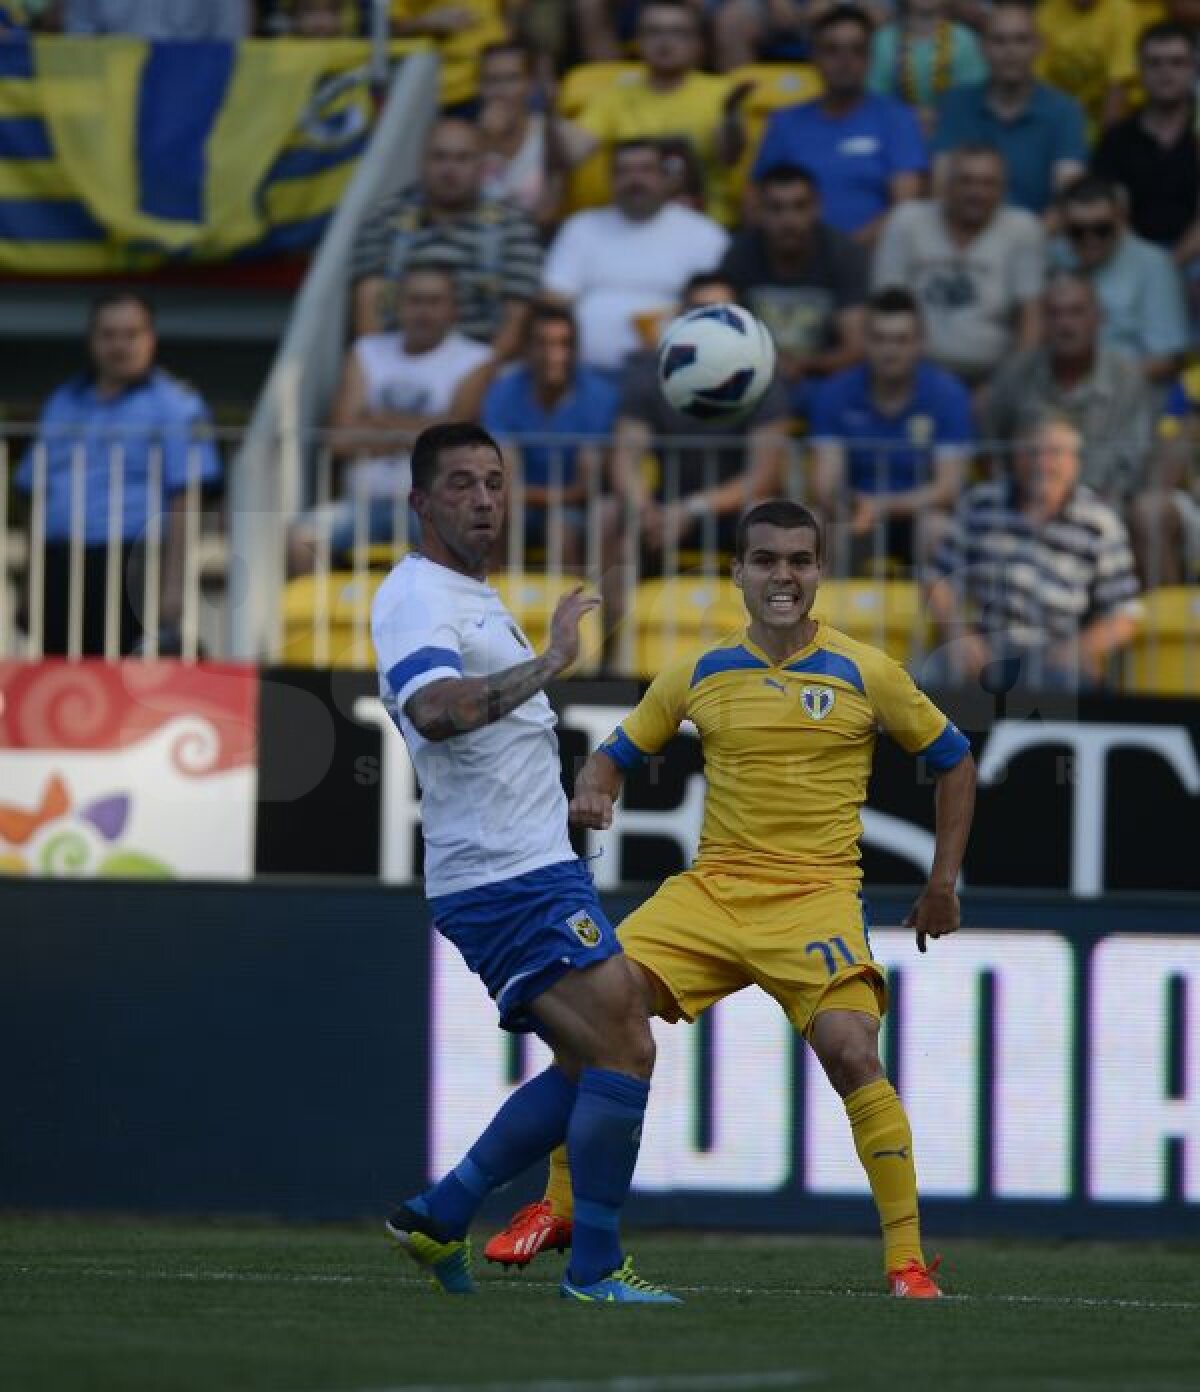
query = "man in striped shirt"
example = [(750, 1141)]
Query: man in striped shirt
[(491, 247), (1034, 585)]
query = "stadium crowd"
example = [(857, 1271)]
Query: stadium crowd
[(976, 241)]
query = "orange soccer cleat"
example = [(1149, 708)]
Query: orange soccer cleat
[(912, 1281), (530, 1230)]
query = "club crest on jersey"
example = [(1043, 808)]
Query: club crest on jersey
[(585, 928), (817, 701)]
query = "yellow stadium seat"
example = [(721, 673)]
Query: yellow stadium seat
[(1165, 657), (776, 85), (383, 555), (580, 84), (347, 619), (673, 618), (888, 614), (531, 597), (347, 600)]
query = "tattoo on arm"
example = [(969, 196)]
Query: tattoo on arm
[(458, 705)]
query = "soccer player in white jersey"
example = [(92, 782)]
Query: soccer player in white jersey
[(466, 690)]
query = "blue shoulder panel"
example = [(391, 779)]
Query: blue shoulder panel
[(949, 749), (823, 663), (736, 659), (423, 660), (622, 750)]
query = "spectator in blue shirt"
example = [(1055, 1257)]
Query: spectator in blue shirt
[(552, 416), (1141, 294), (866, 151), (102, 439), (891, 440), (1038, 129)]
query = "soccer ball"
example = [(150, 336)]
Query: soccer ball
[(716, 362)]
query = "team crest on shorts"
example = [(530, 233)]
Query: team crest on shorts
[(585, 927), (817, 701)]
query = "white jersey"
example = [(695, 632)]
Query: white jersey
[(492, 801)]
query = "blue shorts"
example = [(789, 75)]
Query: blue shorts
[(520, 935)]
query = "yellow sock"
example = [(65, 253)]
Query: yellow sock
[(558, 1184), (883, 1139)]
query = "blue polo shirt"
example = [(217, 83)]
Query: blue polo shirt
[(511, 410), (1142, 299), (853, 157), (892, 454), (157, 413), (1050, 129)]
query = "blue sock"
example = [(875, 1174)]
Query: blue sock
[(602, 1146), (529, 1125)]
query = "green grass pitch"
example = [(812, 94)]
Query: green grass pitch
[(93, 1305)]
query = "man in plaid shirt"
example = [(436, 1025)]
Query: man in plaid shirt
[(1035, 584)]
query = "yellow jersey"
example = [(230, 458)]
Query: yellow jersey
[(459, 52), (691, 112), (787, 748), (1085, 52)]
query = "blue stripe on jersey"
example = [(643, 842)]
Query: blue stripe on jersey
[(949, 749), (829, 664), (622, 750), (423, 660), (736, 659)]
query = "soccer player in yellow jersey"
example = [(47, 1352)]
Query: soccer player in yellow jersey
[(787, 712)]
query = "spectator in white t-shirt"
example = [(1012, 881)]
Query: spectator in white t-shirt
[(393, 386), (626, 263), (976, 266)]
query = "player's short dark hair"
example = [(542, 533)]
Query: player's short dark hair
[(680, 6), (893, 299), (1092, 188), (435, 440), (517, 46), (775, 512), (786, 172), (976, 149), (544, 312), (1060, 277), (111, 298), (637, 142), (703, 280), (1165, 31), (842, 14), (429, 262)]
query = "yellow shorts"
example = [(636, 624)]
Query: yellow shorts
[(705, 935)]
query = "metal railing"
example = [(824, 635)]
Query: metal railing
[(124, 545)]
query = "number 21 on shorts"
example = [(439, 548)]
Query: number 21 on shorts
[(826, 946)]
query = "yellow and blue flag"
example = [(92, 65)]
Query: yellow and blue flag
[(120, 154)]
